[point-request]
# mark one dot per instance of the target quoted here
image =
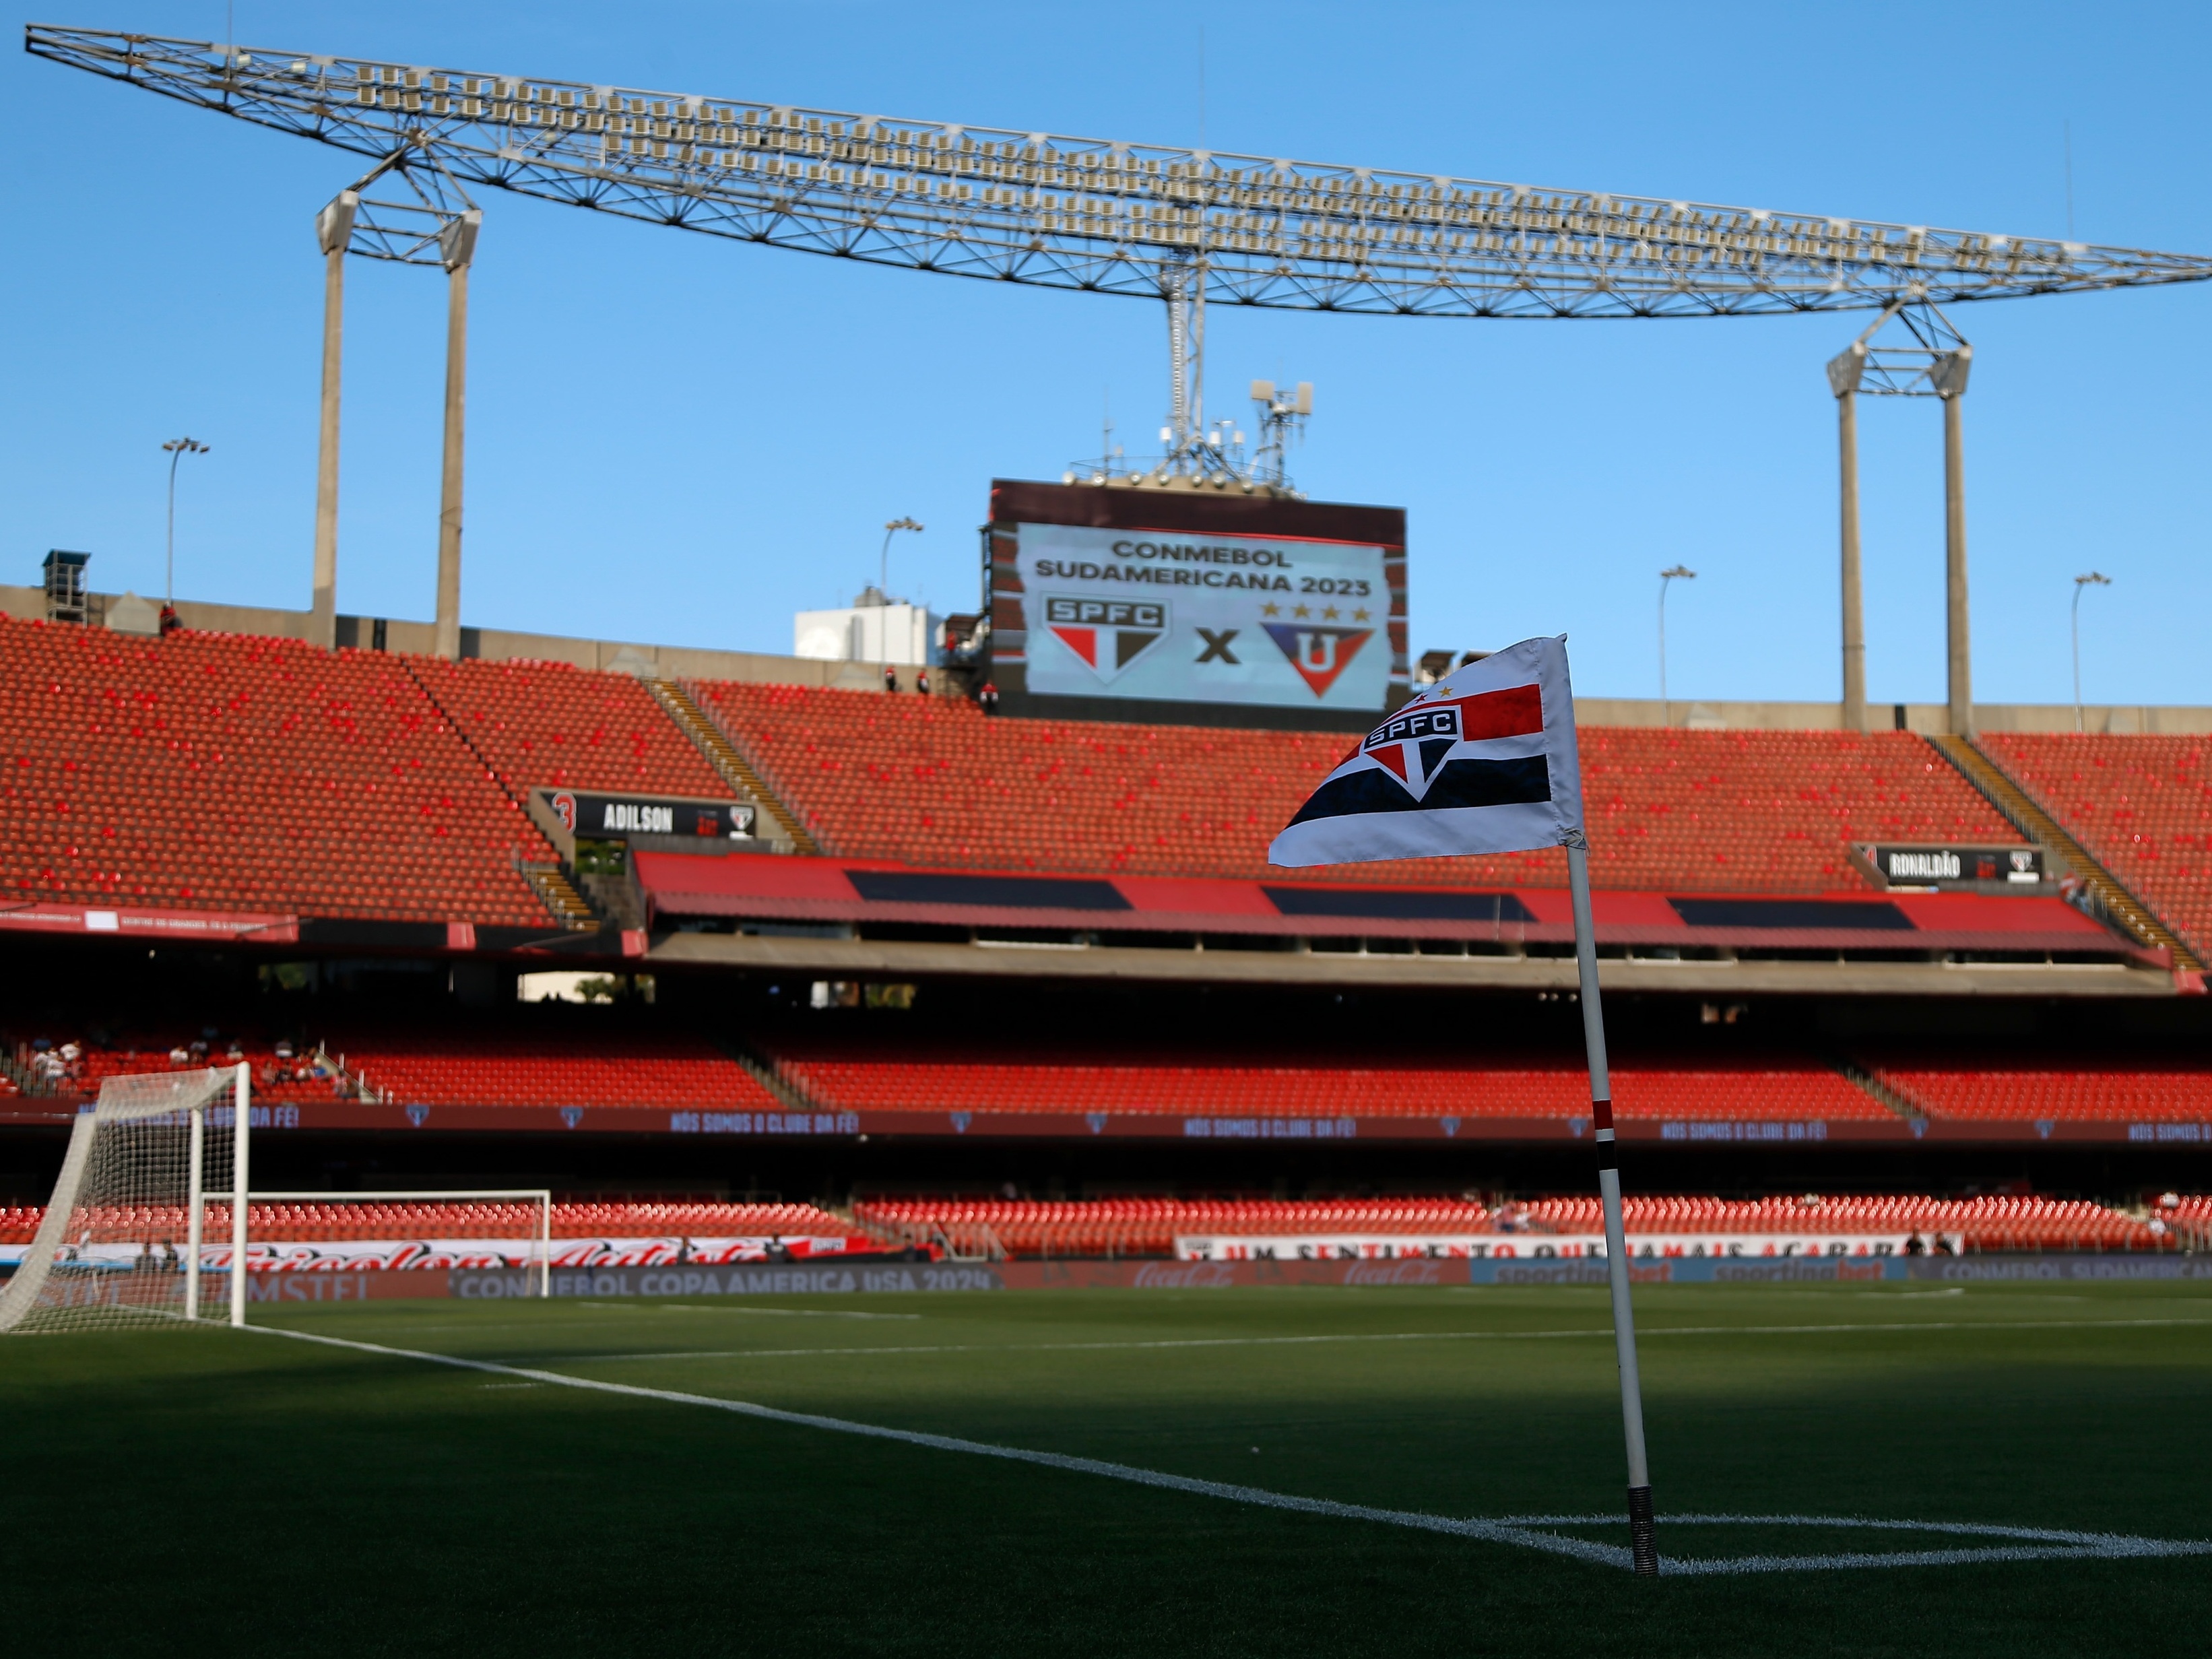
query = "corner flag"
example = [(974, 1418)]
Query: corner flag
[(1481, 762), (1484, 761)]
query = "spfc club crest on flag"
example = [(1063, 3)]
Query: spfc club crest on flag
[(1412, 747), (1108, 635), (1319, 654)]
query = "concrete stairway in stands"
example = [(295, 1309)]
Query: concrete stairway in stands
[(2120, 905), (559, 896), (736, 771)]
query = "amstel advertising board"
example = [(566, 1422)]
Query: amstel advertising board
[(1195, 606)]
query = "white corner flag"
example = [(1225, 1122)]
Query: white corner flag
[(1484, 761), (1481, 762)]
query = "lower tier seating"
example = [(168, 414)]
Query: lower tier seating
[(2026, 1094), (557, 1066), (1150, 1227), (311, 1221), (1228, 1085)]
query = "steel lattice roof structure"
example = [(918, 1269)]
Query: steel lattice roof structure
[(1098, 215)]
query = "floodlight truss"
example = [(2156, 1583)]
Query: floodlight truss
[(1936, 364), (1105, 217)]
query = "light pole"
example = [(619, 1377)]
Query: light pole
[(1684, 572), (176, 449), (883, 565), (2095, 579)]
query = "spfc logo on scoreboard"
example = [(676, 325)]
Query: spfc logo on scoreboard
[(1319, 654), (1108, 635)]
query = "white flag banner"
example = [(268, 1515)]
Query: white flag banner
[(1481, 762)]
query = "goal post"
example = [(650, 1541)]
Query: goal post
[(134, 1179), (162, 1159)]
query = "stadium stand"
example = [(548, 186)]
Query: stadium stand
[(550, 725), (1150, 1227), (1987, 1224), (919, 1079), (2140, 805), (935, 782), (215, 772), (310, 1221), (552, 1066), (2013, 1092), (76, 1066)]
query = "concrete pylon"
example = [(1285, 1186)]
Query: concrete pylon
[(1954, 564), (333, 232), (457, 245), (1844, 373)]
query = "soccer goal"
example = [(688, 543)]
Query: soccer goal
[(121, 1242), (151, 1220)]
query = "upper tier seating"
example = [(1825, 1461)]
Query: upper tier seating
[(2142, 807), (546, 724), (2027, 1093), (1150, 1227), (1224, 1085), (208, 771), (551, 1067), (933, 782)]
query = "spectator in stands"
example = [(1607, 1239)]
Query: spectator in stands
[(1916, 1245), (170, 622), (891, 677), (180, 1056), (922, 681), (987, 698)]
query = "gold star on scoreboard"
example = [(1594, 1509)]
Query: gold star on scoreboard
[(1300, 611), (1329, 613), (1359, 616), (1271, 610)]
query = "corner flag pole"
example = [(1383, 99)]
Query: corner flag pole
[(1643, 1545)]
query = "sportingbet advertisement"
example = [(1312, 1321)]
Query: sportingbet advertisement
[(1179, 616)]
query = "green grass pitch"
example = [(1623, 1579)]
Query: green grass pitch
[(217, 1492)]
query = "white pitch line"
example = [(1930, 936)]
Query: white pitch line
[(1520, 1531)]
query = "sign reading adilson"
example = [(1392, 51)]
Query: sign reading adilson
[(595, 816), (1178, 616)]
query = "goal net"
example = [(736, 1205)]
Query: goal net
[(121, 1241)]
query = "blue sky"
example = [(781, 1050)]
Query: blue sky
[(673, 438)]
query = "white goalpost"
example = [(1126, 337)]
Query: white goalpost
[(142, 1167), (160, 1159)]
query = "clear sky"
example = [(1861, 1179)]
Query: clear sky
[(674, 438)]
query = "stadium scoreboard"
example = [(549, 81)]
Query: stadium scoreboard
[(1194, 607)]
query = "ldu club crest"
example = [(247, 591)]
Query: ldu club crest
[(1108, 635), (1319, 654)]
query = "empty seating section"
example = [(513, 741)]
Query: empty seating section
[(1987, 1224), (2028, 1094), (933, 782), (549, 725), (1150, 1227), (2142, 807), (208, 771), (311, 1221), (555, 1066), (1355, 1085)]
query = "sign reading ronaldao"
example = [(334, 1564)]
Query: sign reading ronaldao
[(1178, 616)]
